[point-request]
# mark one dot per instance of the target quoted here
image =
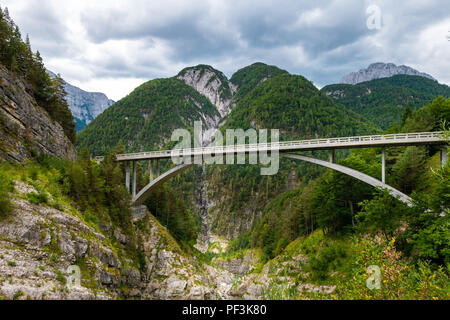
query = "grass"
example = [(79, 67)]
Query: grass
[(6, 186), (38, 198), (18, 294), (12, 263)]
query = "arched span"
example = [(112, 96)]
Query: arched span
[(355, 174), (144, 193)]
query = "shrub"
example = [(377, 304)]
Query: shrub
[(37, 198), (6, 186)]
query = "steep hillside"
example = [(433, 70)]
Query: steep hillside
[(383, 101), (85, 106), (247, 78), (26, 129), (145, 119)]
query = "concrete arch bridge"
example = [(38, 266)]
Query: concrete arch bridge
[(284, 149)]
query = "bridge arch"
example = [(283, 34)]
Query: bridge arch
[(145, 192), (355, 174), (140, 198)]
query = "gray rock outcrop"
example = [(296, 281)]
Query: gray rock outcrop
[(211, 83), (381, 70)]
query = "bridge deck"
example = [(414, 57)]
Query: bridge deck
[(401, 139)]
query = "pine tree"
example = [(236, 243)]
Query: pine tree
[(406, 114)]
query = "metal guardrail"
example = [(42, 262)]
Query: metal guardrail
[(331, 143)]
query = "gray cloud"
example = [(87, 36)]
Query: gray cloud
[(322, 40)]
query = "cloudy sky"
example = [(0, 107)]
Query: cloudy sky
[(112, 46)]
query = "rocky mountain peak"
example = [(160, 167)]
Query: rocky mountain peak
[(85, 106), (211, 83), (381, 70)]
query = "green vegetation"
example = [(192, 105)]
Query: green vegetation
[(37, 198), (383, 101), (173, 214), (6, 186), (399, 279), (18, 294), (16, 55), (246, 79)]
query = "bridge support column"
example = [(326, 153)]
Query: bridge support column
[(383, 166), (157, 168), (443, 155), (332, 156), (127, 176), (151, 170), (134, 179)]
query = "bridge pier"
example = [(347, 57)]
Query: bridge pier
[(331, 155), (157, 168), (127, 176), (134, 179), (383, 166), (443, 155), (151, 170)]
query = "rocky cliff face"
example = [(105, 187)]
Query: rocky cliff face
[(27, 129), (39, 243), (381, 70), (211, 83), (85, 106)]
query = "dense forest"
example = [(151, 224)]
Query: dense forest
[(383, 101), (247, 78), (17, 56)]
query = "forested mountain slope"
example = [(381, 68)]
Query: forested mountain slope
[(383, 101)]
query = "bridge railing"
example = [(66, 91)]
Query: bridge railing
[(332, 142)]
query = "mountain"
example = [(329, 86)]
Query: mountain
[(383, 101), (381, 70), (85, 106), (145, 119)]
